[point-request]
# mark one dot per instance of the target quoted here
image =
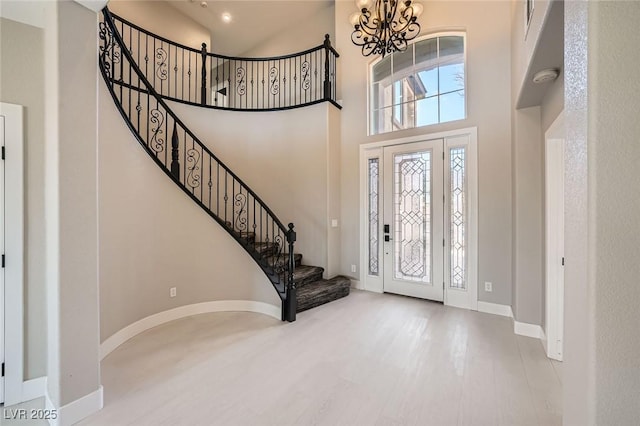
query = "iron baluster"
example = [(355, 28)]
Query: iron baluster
[(210, 183)]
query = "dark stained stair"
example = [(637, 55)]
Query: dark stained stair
[(313, 290), (322, 291)]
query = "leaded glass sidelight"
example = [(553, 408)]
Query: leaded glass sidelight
[(373, 216), (458, 219), (412, 216)]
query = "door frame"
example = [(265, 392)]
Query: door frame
[(14, 250), (467, 137), (554, 239)]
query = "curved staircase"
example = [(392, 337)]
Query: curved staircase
[(193, 167)]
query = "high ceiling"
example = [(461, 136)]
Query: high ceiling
[(252, 21)]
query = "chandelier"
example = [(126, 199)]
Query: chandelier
[(385, 26)]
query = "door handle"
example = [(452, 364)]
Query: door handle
[(386, 238)]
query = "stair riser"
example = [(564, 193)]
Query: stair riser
[(312, 302), (308, 279), (282, 263)]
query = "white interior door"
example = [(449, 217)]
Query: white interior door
[(413, 219), (554, 202), (2, 221)]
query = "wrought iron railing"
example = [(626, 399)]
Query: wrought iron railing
[(195, 169), (198, 77)]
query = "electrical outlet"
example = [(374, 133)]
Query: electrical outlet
[(172, 292), (353, 268), (488, 287), (334, 223)]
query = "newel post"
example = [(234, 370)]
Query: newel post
[(327, 81), (203, 91), (291, 302)]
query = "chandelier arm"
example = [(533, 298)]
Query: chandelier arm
[(385, 28)]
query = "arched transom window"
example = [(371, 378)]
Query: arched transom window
[(421, 86)]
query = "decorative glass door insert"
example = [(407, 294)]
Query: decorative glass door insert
[(413, 220)]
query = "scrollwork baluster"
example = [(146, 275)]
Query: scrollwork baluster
[(156, 143)]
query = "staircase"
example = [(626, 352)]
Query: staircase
[(140, 75), (312, 289)]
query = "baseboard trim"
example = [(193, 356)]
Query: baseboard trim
[(155, 320), (34, 388), (357, 284), (528, 330), (495, 309), (77, 410)]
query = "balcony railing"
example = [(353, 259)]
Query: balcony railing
[(198, 77)]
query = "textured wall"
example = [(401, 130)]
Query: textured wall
[(73, 367), (601, 369), (614, 156)]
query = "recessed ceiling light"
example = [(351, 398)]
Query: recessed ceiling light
[(226, 17), (203, 4)]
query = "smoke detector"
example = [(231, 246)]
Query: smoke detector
[(544, 76)]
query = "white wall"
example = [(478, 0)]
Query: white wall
[(528, 215), (22, 83), (163, 20), (602, 202), (528, 127), (73, 368), (153, 237), (526, 40), (487, 24), (283, 157), (301, 35)]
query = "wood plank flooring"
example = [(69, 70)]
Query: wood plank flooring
[(367, 359)]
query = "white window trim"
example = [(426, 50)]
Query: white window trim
[(440, 33), (468, 137)]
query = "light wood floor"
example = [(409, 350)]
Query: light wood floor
[(368, 359)]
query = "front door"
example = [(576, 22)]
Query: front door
[(413, 219)]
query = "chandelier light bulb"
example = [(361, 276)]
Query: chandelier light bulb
[(417, 9), (363, 4), (354, 19)]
